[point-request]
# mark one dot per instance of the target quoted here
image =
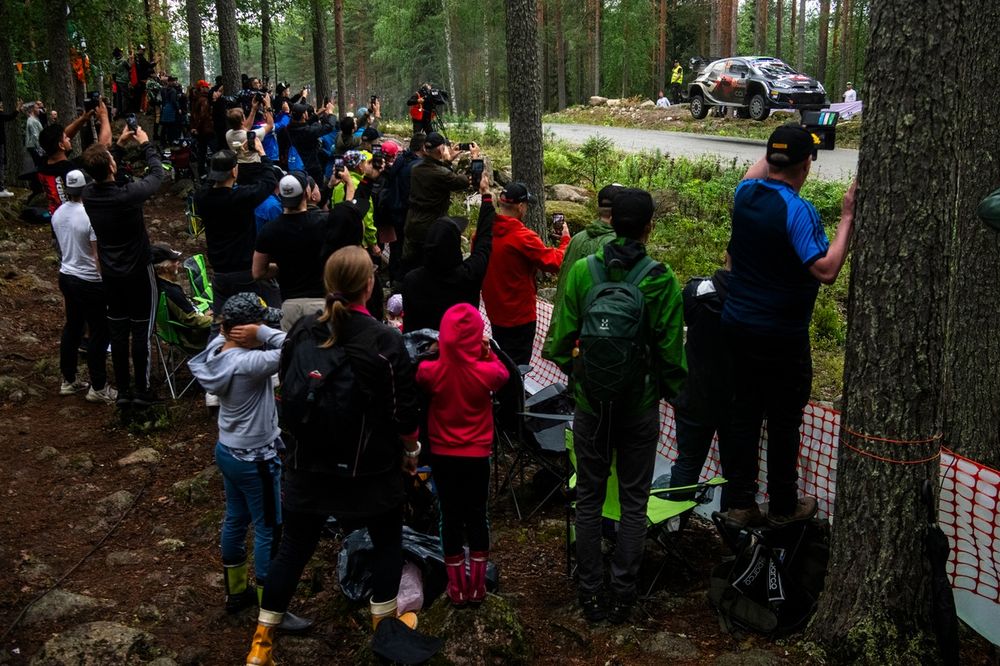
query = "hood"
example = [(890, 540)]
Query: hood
[(623, 253), (599, 228), (503, 225), (214, 371), (461, 337), (443, 246)]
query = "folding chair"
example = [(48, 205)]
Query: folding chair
[(663, 515), (201, 285), (195, 227), (171, 349)]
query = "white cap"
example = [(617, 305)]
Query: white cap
[(75, 181), (291, 188)]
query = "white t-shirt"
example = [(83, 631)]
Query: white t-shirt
[(851, 95), (74, 234), (663, 103)]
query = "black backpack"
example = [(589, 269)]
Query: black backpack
[(318, 404)]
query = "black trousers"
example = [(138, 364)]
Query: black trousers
[(299, 537), (85, 304), (131, 314), (225, 285), (516, 341), (463, 486), (771, 377), (694, 441)]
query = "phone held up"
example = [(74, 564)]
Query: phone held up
[(476, 169), (555, 229)]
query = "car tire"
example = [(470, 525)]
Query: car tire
[(742, 112), (698, 107), (758, 109)]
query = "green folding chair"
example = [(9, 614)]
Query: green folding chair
[(195, 226), (171, 348), (663, 515), (201, 285)]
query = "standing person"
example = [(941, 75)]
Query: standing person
[(327, 472), (509, 290), (676, 81), (304, 132), (850, 95), (143, 71), (461, 383), (238, 366), (780, 254), (637, 372), (57, 143), (32, 150), (5, 117), (83, 292), (170, 111), (115, 212), (121, 73), (398, 202), (202, 127)]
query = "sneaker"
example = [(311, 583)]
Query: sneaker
[(146, 398), (107, 395), (805, 508), (594, 609), (77, 385), (750, 517), (4, 194), (211, 400)]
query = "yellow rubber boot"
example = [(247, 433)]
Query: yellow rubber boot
[(261, 651), (383, 609)]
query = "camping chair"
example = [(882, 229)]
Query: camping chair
[(195, 227), (663, 515), (201, 287), (170, 346)]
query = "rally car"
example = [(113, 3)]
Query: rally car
[(753, 85)]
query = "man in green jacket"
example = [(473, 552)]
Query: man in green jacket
[(630, 429)]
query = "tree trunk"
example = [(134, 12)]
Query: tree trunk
[(597, 47), (543, 64), (793, 28), (824, 39), (661, 50), (487, 70), (151, 50), (846, 45), (779, 19), (800, 54), (524, 95), (453, 99), (734, 26), (561, 57), (911, 318), (714, 26), (265, 39), (321, 69), (196, 48), (229, 46), (8, 95), (60, 73), (338, 29), (760, 28)]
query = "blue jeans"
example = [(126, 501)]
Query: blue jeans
[(253, 494)]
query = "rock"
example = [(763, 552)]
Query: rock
[(597, 100), (46, 453), (614, 102), (491, 635), (143, 456), (195, 489), (577, 215), (568, 193), (148, 613), (503, 176), (60, 604), (754, 657), (27, 339), (123, 558), (671, 648), (115, 504), (97, 644), (648, 104), (170, 545), (32, 570), (78, 462), (547, 294), (13, 389), (304, 650), (162, 661), (182, 188)]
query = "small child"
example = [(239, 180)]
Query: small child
[(460, 429)]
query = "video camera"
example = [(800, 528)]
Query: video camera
[(823, 124), (435, 96)]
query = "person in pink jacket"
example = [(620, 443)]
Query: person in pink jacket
[(460, 384)]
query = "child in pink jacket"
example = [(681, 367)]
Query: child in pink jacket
[(460, 384)]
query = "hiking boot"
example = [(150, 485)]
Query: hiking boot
[(124, 400), (594, 609), (293, 624), (75, 386), (620, 611), (805, 508), (146, 398), (749, 517), (107, 395)]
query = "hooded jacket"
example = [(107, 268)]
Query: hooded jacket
[(445, 279), (509, 290), (242, 380), (460, 384), (431, 185)]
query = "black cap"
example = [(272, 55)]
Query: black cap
[(370, 134), (631, 210), (291, 189), (517, 193), (433, 140), (791, 144), (608, 194), (417, 141), (222, 165), (299, 110), (248, 308), (163, 252)]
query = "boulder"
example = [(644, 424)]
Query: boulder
[(143, 456), (503, 176), (648, 104), (60, 604), (752, 657), (97, 644), (195, 489), (670, 647), (597, 100), (568, 193), (114, 504), (614, 102), (491, 635)]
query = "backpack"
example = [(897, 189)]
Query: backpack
[(773, 583), (319, 406), (613, 359)]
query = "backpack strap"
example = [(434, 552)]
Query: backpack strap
[(597, 272), (639, 272)]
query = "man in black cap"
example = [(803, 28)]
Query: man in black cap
[(193, 326), (431, 183), (780, 254), (230, 226), (304, 132)]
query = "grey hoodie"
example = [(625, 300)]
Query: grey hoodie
[(242, 380)]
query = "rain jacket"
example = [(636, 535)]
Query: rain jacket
[(431, 185), (460, 384), (665, 319)]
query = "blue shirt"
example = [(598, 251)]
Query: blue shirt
[(271, 140), (269, 209), (776, 237)]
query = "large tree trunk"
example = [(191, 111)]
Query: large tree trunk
[(524, 95), (800, 52), (338, 29), (446, 15), (8, 95), (596, 45), (60, 73), (152, 53), (561, 57), (824, 39), (734, 26), (487, 69), (196, 48), (779, 20), (320, 67), (793, 28), (911, 317), (714, 26), (661, 48), (229, 46), (760, 28), (265, 39), (846, 45)]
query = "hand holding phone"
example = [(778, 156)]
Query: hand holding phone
[(476, 173)]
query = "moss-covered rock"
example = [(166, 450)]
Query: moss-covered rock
[(489, 634), (577, 215)]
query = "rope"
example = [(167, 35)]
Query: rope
[(891, 460), (873, 438)]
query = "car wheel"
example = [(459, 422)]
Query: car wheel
[(698, 107), (742, 112), (758, 107)]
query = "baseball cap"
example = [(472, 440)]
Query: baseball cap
[(299, 110), (608, 194), (291, 189), (370, 134), (390, 148), (234, 141), (517, 193), (202, 83), (75, 182), (433, 140), (631, 208), (352, 158), (222, 165), (163, 252), (362, 111), (248, 308), (791, 144)]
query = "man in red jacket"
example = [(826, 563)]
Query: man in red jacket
[(509, 288)]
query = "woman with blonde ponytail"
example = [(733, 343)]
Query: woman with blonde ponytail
[(350, 460)]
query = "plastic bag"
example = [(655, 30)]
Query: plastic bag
[(421, 344), (423, 550), (411, 589)]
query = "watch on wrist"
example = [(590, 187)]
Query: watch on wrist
[(415, 452)]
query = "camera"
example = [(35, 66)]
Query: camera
[(824, 125), (91, 101), (131, 122), (476, 170)]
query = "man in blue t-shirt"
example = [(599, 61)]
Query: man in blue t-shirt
[(780, 254)]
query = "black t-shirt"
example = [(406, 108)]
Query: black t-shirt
[(51, 177), (294, 242), (228, 216)]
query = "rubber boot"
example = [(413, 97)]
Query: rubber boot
[(262, 648), (477, 575), (457, 584), (290, 622), (239, 594), (383, 609)]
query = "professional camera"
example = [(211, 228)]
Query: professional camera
[(91, 101), (435, 96), (824, 125)]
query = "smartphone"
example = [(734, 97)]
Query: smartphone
[(465, 146), (251, 140), (338, 165), (376, 150), (477, 173), (558, 219), (131, 122)]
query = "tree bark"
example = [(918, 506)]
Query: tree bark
[(60, 72), (779, 19), (661, 50), (824, 40), (524, 95), (800, 54), (151, 46), (561, 56), (760, 27), (714, 26), (265, 39), (338, 28), (229, 46), (487, 70), (846, 45), (597, 47), (911, 318), (453, 99), (734, 26), (793, 28), (8, 95), (196, 47), (321, 69)]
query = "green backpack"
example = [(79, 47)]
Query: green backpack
[(613, 360)]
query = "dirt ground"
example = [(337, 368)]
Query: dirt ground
[(145, 550)]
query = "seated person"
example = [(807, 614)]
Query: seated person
[(193, 325)]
